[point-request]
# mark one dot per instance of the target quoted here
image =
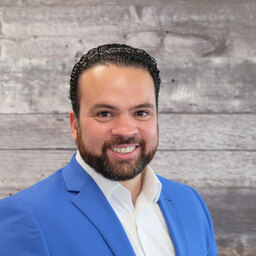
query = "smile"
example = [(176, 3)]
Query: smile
[(123, 150)]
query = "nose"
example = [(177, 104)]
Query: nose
[(125, 126)]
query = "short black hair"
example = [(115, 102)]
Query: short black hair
[(115, 54)]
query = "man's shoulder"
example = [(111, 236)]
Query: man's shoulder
[(182, 194)]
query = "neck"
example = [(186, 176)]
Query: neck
[(134, 186)]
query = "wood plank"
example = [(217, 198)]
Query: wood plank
[(212, 29), (177, 132), (44, 131), (217, 85), (84, 17), (60, 47), (214, 85), (21, 22), (30, 86), (233, 211), (16, 3), (208, 168), (22, 168), (218, 25), (207, 132)]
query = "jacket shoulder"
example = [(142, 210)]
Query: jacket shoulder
[(191, 209), (182, 194), (19, 229), (39, 192)]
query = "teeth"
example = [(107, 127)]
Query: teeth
[(124, 150)]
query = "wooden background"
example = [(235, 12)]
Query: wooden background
[(206, 52)]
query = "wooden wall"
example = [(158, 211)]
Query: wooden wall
[(206, 52)]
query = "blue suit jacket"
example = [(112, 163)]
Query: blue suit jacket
[(68, 215)]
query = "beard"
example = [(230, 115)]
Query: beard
[(118, 170)]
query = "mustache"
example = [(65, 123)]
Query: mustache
[(122, 140)]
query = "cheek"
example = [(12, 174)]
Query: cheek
[(150, 134), (94, 136)]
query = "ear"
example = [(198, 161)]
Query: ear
[(73, 124)]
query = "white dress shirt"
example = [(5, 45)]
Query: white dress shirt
[(144, 224)]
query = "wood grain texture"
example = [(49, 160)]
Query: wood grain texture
[(16, 3), (216, 85), (20, 22), (200, 29), (29, 86), (211, 85), (20, 169), (177, 132), (233, 212), (207, 168)]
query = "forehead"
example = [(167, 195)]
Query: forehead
[(115, 83)]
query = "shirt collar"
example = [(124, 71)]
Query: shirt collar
[(151, 185), (106, 185)]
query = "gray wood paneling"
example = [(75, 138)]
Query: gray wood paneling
[(22, 22), (210, 85), (39, 131), (208, 168), (110, 2), (20, 169), (207, 132), (200, 29), (233, 212), (218, 85)]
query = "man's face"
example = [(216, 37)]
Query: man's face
[(117, 131)]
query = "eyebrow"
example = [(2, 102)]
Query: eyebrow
[(145, 105), (108, 106), (103, 105)]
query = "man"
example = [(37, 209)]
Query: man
[(107, 200)]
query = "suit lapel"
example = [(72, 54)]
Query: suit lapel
[(174, 224), (93, 204)]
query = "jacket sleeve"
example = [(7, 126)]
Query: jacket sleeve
[(212, 246), (20, 232)]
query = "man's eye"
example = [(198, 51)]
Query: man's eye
[(141, 113), (104, 114)]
